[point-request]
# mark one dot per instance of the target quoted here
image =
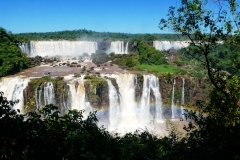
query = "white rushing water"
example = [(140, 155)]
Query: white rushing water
[(150, 82), (127, 115), (77, 97), (62, 48), (49, 95), (182, 98), (173, 105), (118, 47), (13, 90), (114, 106), (166, 45), (45, 95)]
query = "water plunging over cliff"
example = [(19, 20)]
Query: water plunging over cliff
[(114, 107), (77, 97), (47, 92), (13, 90), (118, 47), (166, 45), (125, 113), (182, 99), (173, 105), (62, 48)]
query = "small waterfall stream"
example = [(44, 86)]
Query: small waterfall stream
[(77, 96), (173, 105), (118, 47), (114, 108), (182, 99), (49, 95), (13, 90)]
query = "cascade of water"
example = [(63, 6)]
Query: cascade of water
[(25, 48), (150, 82), (36, 98), (173, 105), (166, 45), (182, 99), (128, 117), (13, 90), (49, 96), (118, 47), (144, 113), (77, 96), (126, 49), (62, 48), (40, 98), (154, 85), (114, 108)]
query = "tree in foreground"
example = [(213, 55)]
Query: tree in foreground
[(44, 134), (214, 133)]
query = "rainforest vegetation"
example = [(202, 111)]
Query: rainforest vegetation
[(12, 60), (84, 34), (212, 133)]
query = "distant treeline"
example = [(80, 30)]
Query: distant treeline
[(84, 34)]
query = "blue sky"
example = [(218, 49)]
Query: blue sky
[(126, 16)]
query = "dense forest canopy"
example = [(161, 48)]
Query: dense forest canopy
[(83, 34), (12, 60)]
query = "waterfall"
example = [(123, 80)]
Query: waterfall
[(166, 45), (126, 49), (150, 82), (154, 85), (114, 108), (144, 113), (38, 105), (118, 47), (25, 48), (13, 90), (173, 105), (49, 95), (127, 115), (61, 48), (78, 96), (128, 120), (182, 99)]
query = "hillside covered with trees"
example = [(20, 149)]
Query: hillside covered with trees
[(12, 60)]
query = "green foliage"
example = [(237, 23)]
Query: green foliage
[(213, 133), (158, 68), (12, 60), (95, 88), (37, 84), (47, 135), (149, 55), (92, 35)]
